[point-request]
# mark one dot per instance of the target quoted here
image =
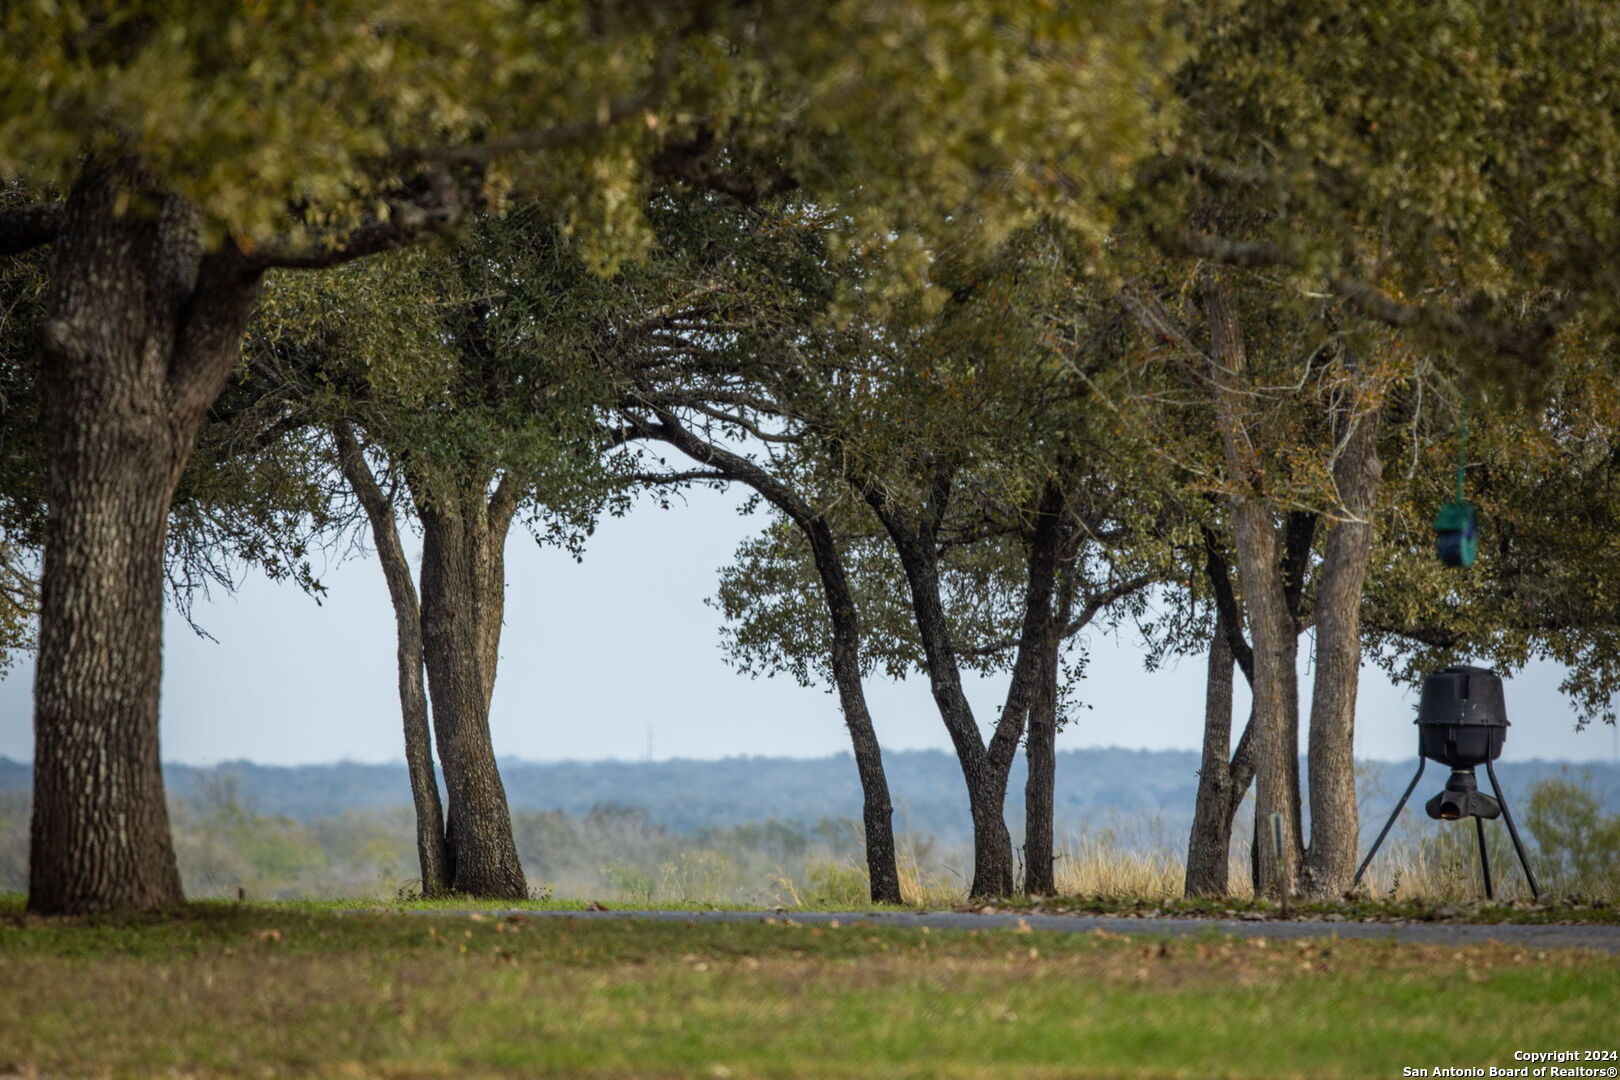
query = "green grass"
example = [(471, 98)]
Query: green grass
[(228, 989)]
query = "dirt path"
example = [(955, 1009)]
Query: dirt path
[(1605, 938)]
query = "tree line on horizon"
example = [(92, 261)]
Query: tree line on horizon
[(1018, 320)]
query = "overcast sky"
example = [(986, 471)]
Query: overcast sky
[(618, 657)]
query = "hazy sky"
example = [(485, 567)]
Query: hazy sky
[(618, 657)]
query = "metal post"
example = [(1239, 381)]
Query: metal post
[(1518, 845), (1422, 761), (1484, 859)]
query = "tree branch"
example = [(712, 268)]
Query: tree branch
[(1529, 346), (685, 477), (1219, 573), (669, 430), (503, 503), (693, 162), (1096, 602), (436, 208), (27, 227)]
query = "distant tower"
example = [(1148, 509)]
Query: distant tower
[(649, 742)]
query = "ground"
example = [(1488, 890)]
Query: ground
[(264, 990)]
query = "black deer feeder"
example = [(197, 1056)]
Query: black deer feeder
[(1462, 722)]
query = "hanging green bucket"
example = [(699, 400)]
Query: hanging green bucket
[(1456, 526), (1456, 534)]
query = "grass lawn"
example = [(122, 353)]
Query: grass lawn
[(274, 990)]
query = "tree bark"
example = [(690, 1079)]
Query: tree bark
[(1299, 535), (877, 812), (1335, 827), (1275, 687), (1228, 780), (463, 598), (1271, 626), (431, 853), (142, 328), (1047, 608), (1210, 844), (1040, 748)]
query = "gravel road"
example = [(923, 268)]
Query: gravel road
[(1604, 938)]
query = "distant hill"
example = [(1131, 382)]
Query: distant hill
[(1130, 790)]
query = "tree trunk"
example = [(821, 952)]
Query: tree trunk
[(1299, 535), (141, 330), (1040, 750), (430, 834), (877, 812), (1335, 826), (984, 770), (1055, 543), (463, 589), (1271, 627), (986, 784), (1275, 686), (1209, 847)]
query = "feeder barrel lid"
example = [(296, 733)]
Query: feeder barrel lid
[(1462, 695)]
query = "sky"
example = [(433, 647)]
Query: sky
[(619, 657)]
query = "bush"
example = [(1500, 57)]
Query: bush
[(1577, 845)]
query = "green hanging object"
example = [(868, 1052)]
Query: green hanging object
[(1456, 526)]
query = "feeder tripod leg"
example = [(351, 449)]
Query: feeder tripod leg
[(1390, 823), (1518, 845), (1484, 859)]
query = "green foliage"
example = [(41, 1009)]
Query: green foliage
[(988, 398), (837, 887), (1451, 155), (1544, 478), (1577, 845), (463, 366), (903, 110)]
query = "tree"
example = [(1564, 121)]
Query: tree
[(1401, 161), (466, 377), (960, 432), (202, 147), (1296, 405)]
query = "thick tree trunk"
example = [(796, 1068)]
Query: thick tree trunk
[(142, 329), (1271, 626), (430, 833), (877, 812), (1335, 826), (1210, 844), (463, 590)]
